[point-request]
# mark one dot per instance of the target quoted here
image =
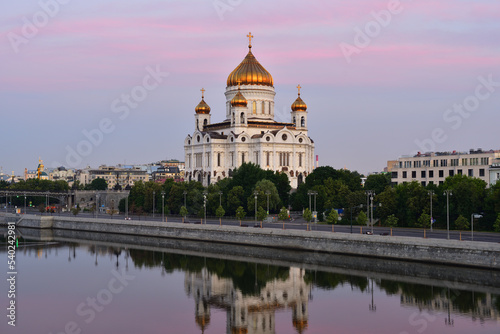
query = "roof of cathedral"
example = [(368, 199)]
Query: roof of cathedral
[(239, 100), (299, 104), (202, 107), (250, 71)]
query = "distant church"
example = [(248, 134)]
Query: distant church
[(249, 132)]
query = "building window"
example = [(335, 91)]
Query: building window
[(422, 174), (254, 107), (267, 158), (263, 107), (231, 155), (417, 164), (464, 161), (256, 158), (471, 172), (404, 175), (441, 182), (423, 183), (394, 175), (481, 172), (474, 161), (459, 171), (413, 174), (303, 122), (485, 161), (441, 173), (427, 163), (444, 163), (242, 157), (300, 159), (435, 163), (451, 172), (431, 173), (454, 162), (218, 159)]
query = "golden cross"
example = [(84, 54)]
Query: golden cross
[(299, 87), (250, 36), (202, 93), (239, 83)]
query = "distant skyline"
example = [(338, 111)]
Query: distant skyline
[(118, 81)]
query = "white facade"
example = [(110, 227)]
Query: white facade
[(435, 167), (249, 133)]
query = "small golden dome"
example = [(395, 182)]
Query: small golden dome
[(202, 107), (239, 100), (299, 104), (250, 71)]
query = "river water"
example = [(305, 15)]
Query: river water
[(85, 287)]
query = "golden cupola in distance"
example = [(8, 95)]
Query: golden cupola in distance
[(299, 104), (202, 107), (239, 100), (250, 71)]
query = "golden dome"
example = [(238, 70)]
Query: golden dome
[(250, 71), (202, 107), (299, 104), (239, 100)]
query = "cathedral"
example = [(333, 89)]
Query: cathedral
[(249, 133)]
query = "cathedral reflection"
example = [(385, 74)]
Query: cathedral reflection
[(249, 313)]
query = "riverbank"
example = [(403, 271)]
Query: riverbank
[(429, 251)]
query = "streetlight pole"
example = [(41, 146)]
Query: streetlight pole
[(162, 206), (309, 193), (472, 216), (369, 194), (220, 198), (371, 219), (448, 193), (126, 207), (154, 193), (24, 203), (316, 213), (205, 205), (256, 193), (97, 205), (431, 193)]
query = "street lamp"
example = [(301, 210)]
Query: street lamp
[(162, 206), (431, 194), (313, 193), (472, 217), (448, 193), (371, 207), (256, 193), (369, 194), (126, 207), (24, 203), (205, 205), (97, 205), (154, 204)]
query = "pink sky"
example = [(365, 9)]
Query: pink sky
[(361, 113)]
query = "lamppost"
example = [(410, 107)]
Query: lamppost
[(162, 206), (154, 204), (312, 193), (24, 203), (205, 205), (448, 193), (97, 205), (220, 198), (431, 194), (369, 194), (256, 193), (472, 217), (371, 207), (126, 207), (47, 201)]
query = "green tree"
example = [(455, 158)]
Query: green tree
[(462, 223), (391, 221), (361, 220), (283, 214), (378, 182), (307, 215), (235, 198), (97, 184), (261, 214), (240, 213), (333, 217), (263, 187), (424, 220), (220, 212), (496, 226), (183, 212)]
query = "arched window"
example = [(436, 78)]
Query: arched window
[(218, 159), (294, 123), (300, 180), (205, 122), (242, 116), (303, 121), (254, 107), (263, 107), (233, 118)]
